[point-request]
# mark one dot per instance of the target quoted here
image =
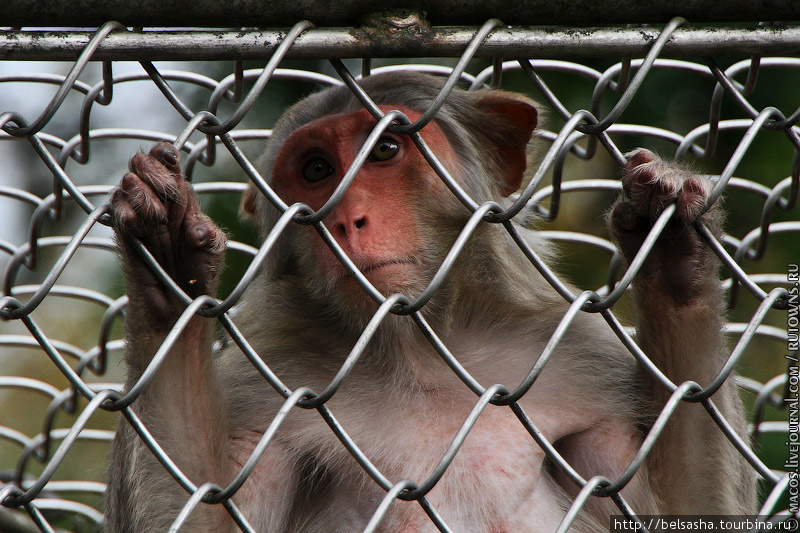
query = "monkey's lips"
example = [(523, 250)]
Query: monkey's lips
[(389, 275), (365, 269)]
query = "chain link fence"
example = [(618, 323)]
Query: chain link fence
[(61, 303)]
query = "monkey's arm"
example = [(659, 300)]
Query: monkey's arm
[(678, 300), (182, 406)]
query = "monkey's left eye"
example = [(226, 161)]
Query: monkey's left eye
[(384, 150), (317, 169)]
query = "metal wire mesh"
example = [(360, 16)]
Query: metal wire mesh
[(42, 302)]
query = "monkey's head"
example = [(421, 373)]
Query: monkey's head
[(397, 219)]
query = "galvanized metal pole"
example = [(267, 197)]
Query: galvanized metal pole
[(505, 42)]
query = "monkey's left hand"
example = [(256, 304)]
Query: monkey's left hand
[(680, 265)]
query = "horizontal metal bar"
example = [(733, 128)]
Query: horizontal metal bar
[(276, 13), (506, 41)]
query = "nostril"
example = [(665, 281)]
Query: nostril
[(360, 223)]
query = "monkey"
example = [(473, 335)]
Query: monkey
[(401, 403)]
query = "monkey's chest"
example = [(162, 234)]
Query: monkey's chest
[(478, 474)]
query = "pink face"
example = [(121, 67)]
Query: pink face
[(375, 222)]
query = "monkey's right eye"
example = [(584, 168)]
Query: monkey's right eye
[(317, 169)]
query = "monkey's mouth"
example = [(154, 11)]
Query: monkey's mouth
[(385, 274), (367, 268)]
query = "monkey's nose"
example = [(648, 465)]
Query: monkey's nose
[(350, 226)]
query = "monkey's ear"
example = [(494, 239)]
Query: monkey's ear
[(511, 121), (249, 198)]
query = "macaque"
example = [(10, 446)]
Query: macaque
[(401, 403)]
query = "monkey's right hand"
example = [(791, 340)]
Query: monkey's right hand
[(155, 204)]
